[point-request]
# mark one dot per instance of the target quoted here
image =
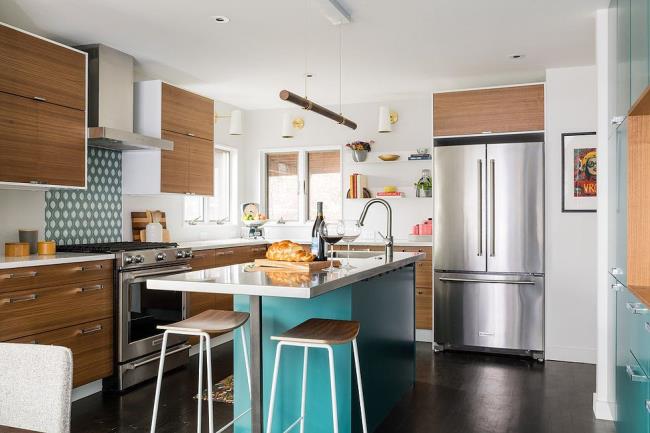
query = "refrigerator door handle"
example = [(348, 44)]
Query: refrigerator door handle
[(492, 210), (480, 207), (471, 280)]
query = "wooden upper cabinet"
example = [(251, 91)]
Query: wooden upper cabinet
[(175, 164), (497, 110), (187, 113), (41, 143), (201, 167), (39, 69)]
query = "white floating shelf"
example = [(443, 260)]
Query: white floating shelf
[(373, 158)]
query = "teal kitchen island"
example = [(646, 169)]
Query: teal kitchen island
[(378, 293)]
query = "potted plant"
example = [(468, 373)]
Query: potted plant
[(360, 149), (424, 186)]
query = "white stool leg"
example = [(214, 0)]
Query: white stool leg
[(208, 360), (278, 352), (304, 391), (200, 392), (362, 403), (161, 367), (248, 368), (335, 417)]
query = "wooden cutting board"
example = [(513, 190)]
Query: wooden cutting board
[(296, 266)]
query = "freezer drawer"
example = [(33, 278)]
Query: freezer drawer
[(489, 311)]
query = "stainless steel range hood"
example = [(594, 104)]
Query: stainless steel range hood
[(110, 102)]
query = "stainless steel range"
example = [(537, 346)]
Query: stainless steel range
[(138, 311)]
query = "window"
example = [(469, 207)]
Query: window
[(213, 209), (295, 181)]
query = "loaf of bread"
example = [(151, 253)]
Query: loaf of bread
[(287, 251)]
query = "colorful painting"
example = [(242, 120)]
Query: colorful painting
[(579, 172)]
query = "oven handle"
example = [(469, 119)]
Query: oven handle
[(155, 272), (134, 365)]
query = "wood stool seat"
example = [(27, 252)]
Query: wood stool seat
[(321, 331), (209, 321)]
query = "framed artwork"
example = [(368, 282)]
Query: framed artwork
[(579, 172)]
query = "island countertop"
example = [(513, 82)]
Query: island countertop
[(241, 280)]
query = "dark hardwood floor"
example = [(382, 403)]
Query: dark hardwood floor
[(454, 393)]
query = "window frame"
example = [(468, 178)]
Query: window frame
[(232, 192), (303, 179)]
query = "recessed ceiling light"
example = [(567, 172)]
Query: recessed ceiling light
[(221, 19), (516, 56)]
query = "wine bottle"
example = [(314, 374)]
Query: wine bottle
[(317, 242)]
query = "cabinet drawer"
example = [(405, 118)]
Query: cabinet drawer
[(257, 252), (91, 344), (423, 274), (423, 308), (54, 275), (187, 113), (425, 250), (203, 259), (32, 311), (506, 109), (36, 68)]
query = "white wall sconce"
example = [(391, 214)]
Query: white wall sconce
[(288, 125), (387, 118), (236, 127)]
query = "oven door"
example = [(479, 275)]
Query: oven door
[(141, 310)]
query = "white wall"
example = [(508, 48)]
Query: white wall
[(413, 130), (571, 238), (605, 395), (172, 204), (21, 210)]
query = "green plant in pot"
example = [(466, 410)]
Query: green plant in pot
[(424, 186), (360, 149)]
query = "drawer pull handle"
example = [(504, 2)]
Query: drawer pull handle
[(636, 308), (190, 134), (33, 342), (16, 276), (89, 268), (40, 98), (90, 288), (647, 405), (225, 253), (617, 287), (27, 298), (634, 376), (647, 326), (93, 330)]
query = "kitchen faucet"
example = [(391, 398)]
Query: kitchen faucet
[(388, 239)]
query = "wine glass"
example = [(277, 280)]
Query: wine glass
[(351, 231), (331, 232)]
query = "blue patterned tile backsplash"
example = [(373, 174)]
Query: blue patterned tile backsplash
[(93, 215)]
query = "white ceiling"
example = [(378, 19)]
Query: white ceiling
[(391, 50)]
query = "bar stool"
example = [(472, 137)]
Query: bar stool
[(318, 334), (202, 325)]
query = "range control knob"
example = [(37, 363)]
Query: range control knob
[(180, 254), (188, 254), (128, 260), (139, 259), (161, 256)]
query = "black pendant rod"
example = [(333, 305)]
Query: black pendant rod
[(305, 103)]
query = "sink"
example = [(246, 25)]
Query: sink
[(343, 254)]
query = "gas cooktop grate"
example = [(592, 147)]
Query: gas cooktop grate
[(114, 247)]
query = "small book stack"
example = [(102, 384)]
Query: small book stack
[(358, 182), (390, 194), (419, 156)]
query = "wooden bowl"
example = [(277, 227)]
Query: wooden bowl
[(388, 157), (16, 249)]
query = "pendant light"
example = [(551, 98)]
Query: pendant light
[(309, 105)]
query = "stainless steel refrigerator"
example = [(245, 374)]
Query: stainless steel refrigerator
[(489, 247)]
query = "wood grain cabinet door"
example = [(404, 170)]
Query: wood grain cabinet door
[(38, 69), (187, 113), (498, 110), (61, 145), (175, 164), (201, 171), (18, 139)]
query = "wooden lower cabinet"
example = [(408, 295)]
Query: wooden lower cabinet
[(91, 344)]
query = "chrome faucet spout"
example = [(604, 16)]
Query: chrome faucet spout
[(388, 239)]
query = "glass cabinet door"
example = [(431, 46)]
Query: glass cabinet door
[(618, 206), (623, 96), (639, 47)]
